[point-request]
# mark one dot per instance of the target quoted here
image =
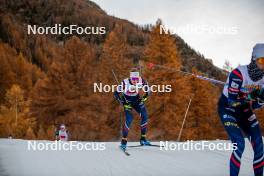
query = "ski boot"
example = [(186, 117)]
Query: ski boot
[(143, 141), (123, 144)]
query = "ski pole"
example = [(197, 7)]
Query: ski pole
[(151, 65), (184, 119), (121, 119), (118, 84), (115, 76)]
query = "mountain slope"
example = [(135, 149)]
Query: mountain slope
[(56, 74), (85, 13)]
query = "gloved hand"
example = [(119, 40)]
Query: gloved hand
[(234, 104), (127, 106), (256, 94), (120, 97), (144, 98), (253, 95)]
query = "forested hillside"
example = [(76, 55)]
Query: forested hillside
[(46, 80)]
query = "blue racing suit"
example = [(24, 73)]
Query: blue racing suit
[(236, 113), (132, 100)]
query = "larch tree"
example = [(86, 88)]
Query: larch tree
[(203, 118), (66, 95), (14, 114), (166, 109)]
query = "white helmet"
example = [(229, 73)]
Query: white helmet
[(258, 51), (62, 127), (134, 74)]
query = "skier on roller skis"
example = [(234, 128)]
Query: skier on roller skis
[(244, 92), (128, 94)]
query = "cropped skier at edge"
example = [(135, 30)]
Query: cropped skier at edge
[(244, 92), (129, 96)]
